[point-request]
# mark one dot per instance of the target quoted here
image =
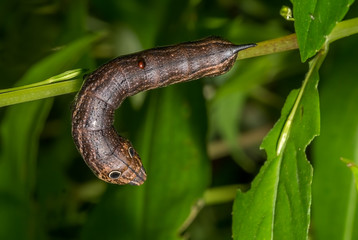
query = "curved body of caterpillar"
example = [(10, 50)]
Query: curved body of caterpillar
[(110, 156)]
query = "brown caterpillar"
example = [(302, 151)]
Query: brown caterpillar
[(110, 156)]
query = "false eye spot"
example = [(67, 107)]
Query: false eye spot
[(141, 63), (131, 152), (115, 174)]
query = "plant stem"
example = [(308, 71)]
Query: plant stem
[(39, 92), (219, 195), (60, 84), (276, 45)]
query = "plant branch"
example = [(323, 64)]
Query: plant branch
[(276, 45)]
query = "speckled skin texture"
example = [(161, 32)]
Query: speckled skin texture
[(111, 157)]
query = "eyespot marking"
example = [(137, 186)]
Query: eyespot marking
[(115, 174)]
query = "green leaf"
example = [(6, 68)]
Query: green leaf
[(278, 204), (20, 130), (171, 142), (335, 200), (314, 20)]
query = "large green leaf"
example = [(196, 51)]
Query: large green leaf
[(20, 129), (335, 200), (278, 204), (314, 20), (171, 142)]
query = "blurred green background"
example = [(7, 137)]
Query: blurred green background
[(191, 136)]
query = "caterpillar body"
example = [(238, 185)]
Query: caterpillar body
[(111, 157)]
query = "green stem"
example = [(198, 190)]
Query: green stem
[(40, 92), (57, 85), (55, 79), (276, 45), (217, 195), (222, 194)]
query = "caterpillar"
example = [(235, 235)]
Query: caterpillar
[(111, 157)]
